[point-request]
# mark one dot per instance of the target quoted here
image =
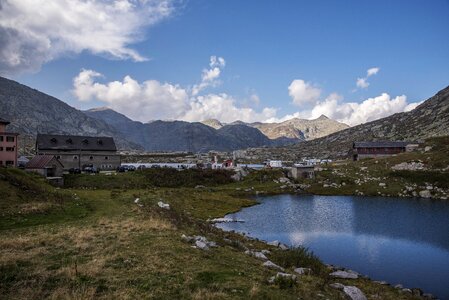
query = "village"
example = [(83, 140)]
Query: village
[(56, 155)]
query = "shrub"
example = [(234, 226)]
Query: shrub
[(299, 257)]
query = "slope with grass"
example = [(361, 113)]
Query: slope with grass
[(118, 248)]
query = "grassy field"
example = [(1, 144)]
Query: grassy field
[(92, 241), (374, 177)]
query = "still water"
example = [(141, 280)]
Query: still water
[(402, 241)]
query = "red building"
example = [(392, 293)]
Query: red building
[(382, 148), (8, 146)]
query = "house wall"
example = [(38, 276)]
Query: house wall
[(373, 152), (298, 172), (104, 160), (8, 149)]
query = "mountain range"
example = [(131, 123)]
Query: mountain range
[(429, 119), (31, 111)]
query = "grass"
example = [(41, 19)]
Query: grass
[(112, 248)]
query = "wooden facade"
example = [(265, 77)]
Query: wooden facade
[(362, 150)]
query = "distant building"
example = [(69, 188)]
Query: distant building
[(8, 145), (45, 165), (275, 163), (362, 150), (303, 171), (80, 151), (22, 161)]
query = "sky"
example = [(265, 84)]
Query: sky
[(252, 60)]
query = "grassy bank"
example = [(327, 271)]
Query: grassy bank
[(420, 173), (94, 241)]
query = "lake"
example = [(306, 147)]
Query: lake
[(398, 240)]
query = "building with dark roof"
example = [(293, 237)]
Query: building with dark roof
[(80, 151), (362, 150), (8, 146), (45, 165)]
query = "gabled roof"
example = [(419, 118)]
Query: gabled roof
[(74, 142), (41, 161), (381, 144)]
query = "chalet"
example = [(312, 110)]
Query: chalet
[(45, 165), (8, 145), (362, 150), (80, 151)]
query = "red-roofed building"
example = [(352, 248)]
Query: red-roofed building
[(45, 165), (8, 146)]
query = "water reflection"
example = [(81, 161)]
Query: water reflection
[(399, 240)]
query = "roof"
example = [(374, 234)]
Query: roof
[(3, 121), (381, 144), (41, 162), (74, 142)]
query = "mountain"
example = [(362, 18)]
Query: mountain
[(214, 123), (31, 112), (185, 136), (429, 119)]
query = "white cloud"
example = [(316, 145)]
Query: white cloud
[(363, 82), (209, 77), (33, 32), (303, 93)]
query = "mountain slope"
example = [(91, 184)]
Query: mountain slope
[(31, 112), (430, 119)]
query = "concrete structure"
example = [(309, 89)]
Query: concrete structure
[(275, 164), (8, 146), (45, 165), (362, 150), (303, 171), (79, 151)]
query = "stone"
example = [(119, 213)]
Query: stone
[(200, 186), (225, 220), (303, 271), (286, 275), (283, 246), (271, 265), (256, 254), (382, 184), (428, 296), (344, 274), (201, 245), (425, 194), (265, 251), (427, 148), (337, 286), (354, 293), (163, 205), (407, 291), (274, 243), (398, 286)]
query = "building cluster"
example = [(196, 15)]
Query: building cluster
[(56, 154)]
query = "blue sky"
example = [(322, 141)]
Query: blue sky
[(266, 46)]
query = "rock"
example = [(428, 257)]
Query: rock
[(225, 220), (337, 286), (345, 274), (256, 254), (354, 293), (427, 148), (201, 245), (265, 251), (398, 286), (416, 292), (163, 205), (137, 202), (382, 282), (428, 296), (407, 291), (382, 184), (200, 186), (271, 265), (284, 180), (283, 246), (286, 275), (425, 194), (274, 243), (187, 239), (283, 187), (303, 271)]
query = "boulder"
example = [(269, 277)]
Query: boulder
[(425, 194), (354, 293), (256, 254), (303, 271), (271, 265), (344, 274), (163, 205), (337, 286)]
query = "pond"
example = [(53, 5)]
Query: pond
[(398, 240)]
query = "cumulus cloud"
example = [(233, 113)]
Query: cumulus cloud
[(33, 32), (152, 99), (363, 82), (303, 93), (209, 77)]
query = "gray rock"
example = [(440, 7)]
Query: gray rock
[(274, 243), (163, 205), (337, 286), (256, 254), (265, 251), (201, 245), (344, 274), (303, 271), (425, 194), (407, 291), (271, 265), (286, 275), (398, 286), (283, 246), (354, 293)]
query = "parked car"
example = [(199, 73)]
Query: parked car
[(74, 171), (141, 167), (123, 168), (131, 168), (89, 168)]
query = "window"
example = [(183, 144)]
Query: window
[(58, 156), (10, 139), (10, 149), (75, 157), (1, 148), (9, 163), (53, 140), (1, 162), (1, 138), (91, 157), (106, 157)]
